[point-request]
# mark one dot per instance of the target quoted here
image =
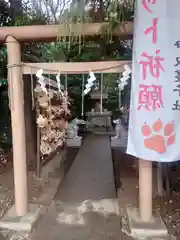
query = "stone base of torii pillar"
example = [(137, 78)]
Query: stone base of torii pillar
[(12, 222), (154, 229), (143, 222)]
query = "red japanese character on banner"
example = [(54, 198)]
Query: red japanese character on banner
[(153, 29), (154, 63), (146, 4), (150, 97)]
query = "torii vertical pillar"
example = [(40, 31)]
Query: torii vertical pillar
[(145, 190), (18, 125)]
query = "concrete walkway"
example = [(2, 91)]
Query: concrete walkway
[(85, 207)]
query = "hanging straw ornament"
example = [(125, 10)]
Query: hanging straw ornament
[(66, 92), (101, 99), (59, 83), (41, 80), (82, 96), (32, 90)]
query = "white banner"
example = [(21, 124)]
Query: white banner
[(154, 126)]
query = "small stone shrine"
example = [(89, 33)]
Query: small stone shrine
[(99, 117)]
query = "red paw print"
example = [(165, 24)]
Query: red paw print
[(157, 137)]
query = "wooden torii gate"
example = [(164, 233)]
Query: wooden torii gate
[(12, 37)]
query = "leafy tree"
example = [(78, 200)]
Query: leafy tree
[(104, 48), (5, 14), (5, 120)]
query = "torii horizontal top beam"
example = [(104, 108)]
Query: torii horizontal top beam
[(50, 32), (75, 67)]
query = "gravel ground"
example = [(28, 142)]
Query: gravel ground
[(7, 189), (35, 185), (35, 188), (168, 207)]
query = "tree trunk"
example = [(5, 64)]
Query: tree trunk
[(16, 8)]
